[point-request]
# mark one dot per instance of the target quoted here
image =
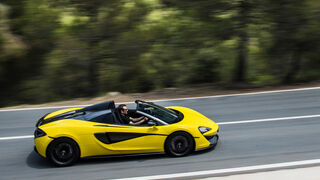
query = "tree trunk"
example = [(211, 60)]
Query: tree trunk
[(241, 64), (294, 67), (93, 76)]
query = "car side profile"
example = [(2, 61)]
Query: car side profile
[(66, 135)]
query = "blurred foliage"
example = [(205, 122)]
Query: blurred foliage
[(57, 50)]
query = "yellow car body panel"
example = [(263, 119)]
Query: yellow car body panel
[(60, 112), (41, 145), (152, 138)]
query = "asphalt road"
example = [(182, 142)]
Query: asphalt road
[(240, 145)]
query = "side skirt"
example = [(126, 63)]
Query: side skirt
[(123, 155)]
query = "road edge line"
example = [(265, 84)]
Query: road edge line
[(237, 170), (175, 99)]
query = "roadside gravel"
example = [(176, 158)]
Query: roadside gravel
[(169, 93)]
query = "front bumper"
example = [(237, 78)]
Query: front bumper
[(213, 140)]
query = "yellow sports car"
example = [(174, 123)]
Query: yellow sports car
[(66, 135)]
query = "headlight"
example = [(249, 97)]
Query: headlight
[(204, 129), (39, 133)]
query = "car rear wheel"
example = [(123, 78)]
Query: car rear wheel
[(179, 144), (63, 152)]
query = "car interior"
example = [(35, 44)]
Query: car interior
[(132, 113)]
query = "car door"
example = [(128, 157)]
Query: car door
[(116, 138), (126, 139)]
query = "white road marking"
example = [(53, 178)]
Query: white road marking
[(270, 119), (176, 99), (229, 170), (16, 137), (221, 123), (241, 94), (50, 107)]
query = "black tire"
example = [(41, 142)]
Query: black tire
[(63, 152), (179, 144)]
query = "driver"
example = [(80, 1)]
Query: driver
[(127, 119)]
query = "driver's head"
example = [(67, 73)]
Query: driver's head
[(123, 109)]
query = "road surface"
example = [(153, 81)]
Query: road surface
[(289, 131)]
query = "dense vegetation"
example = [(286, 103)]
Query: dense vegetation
[(61, 49)]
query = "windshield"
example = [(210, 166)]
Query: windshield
[(159, 112)]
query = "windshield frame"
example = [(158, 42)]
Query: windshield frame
[(171, 116)]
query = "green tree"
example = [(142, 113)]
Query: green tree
[(108, 32), (227, 19), (292, 37), (12, 50)]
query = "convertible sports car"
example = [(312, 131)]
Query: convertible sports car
[(66, 135)]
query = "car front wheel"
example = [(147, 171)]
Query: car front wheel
[(179, 144), (63, 152)]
